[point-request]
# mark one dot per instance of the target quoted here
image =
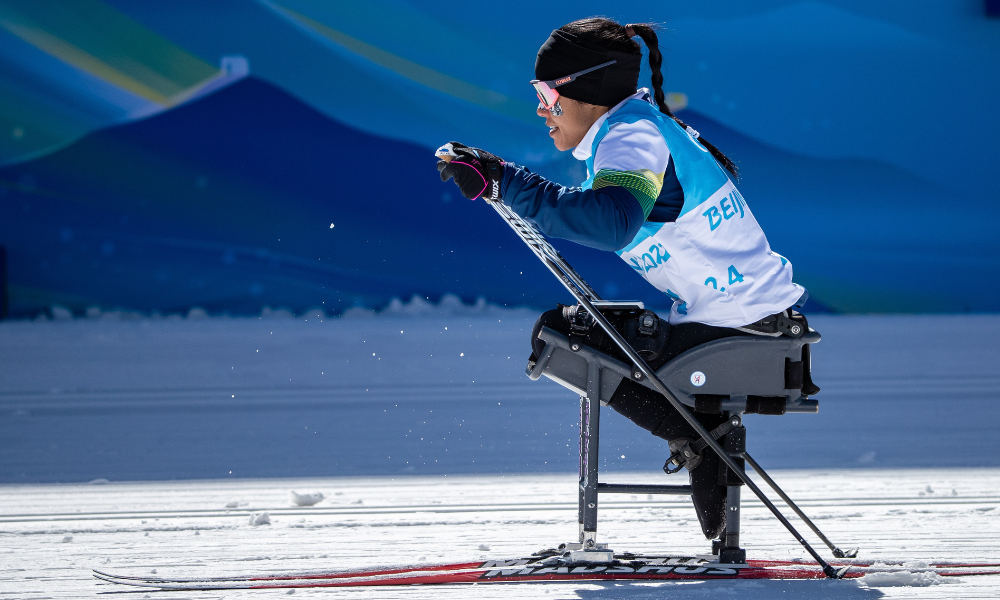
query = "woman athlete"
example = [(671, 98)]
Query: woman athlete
[(659, 196)]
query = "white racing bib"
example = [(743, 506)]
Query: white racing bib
[(714, 260)]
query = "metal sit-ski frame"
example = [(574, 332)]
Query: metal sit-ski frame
[(735, 375)]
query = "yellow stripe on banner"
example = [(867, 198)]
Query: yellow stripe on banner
[(85, 62), (103, 42), (418, 73)]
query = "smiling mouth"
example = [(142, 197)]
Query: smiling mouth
[(552, 129)]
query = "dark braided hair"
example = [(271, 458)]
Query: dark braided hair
[(612, 35)]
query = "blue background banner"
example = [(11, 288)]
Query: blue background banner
[(238, 154)]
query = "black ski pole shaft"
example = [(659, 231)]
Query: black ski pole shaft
[(549, 256), (774, 486), (640, 364)]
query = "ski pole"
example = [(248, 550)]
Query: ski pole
[(548, 255), (534, 239), (774, 486), (545, 252)]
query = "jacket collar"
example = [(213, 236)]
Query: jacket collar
[(584, 148)]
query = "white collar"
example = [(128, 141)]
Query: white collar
[(584, 148)]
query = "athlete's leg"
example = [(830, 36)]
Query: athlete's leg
[(651, 411)]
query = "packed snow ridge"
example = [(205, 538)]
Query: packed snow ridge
[(417, 306), (903, 579)]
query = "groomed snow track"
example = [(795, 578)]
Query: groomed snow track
[(51, 536)]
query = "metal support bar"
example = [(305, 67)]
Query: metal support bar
[(734, 442), (590, 435), (584, 294), (629, 488), (774, 486), (731, 551), (582, 468)]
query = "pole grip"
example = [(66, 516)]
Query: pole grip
[(445, 153)]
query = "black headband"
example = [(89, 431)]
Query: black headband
[(564, 53)]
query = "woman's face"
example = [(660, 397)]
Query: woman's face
[(567, 130)]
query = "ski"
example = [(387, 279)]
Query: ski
[(892, 563), (524, 570), (338, 574), (536, 569), (393, 570)]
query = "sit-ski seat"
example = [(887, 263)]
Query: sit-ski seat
[(742, 374), (732, 376)]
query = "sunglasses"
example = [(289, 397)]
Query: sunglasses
[(546, 90)]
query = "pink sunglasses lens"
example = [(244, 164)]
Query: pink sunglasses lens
[(546, 95)]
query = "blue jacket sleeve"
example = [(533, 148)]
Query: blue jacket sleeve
[(606, 219)]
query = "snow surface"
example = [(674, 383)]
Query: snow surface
[(455, 454), (425, 389), (52, 535)]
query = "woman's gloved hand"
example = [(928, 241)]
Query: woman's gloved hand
[(476, 172)]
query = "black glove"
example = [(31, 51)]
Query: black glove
[(476, 172)]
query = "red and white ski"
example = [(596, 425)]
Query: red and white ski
[(535, 569)]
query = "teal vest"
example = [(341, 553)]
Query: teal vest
[(714, 261)]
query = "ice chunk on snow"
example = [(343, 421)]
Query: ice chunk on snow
[(902, 579), (261, 518), (306, 499), (100, 481), (484, 547), (233, 504), (916, 564), (67, 539)]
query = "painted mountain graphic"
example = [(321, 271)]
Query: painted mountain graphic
[(249, 197)]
